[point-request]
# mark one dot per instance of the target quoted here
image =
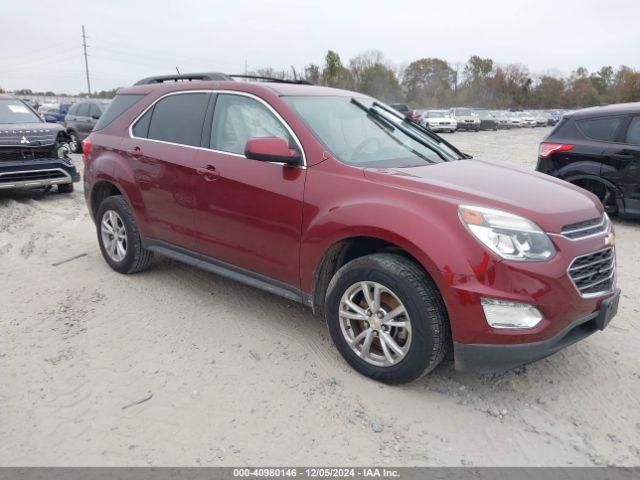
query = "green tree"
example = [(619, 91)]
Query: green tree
[(429, 82), (334, 73), (548, 93), (379, 81)]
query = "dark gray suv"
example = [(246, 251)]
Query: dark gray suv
[(81, 119)]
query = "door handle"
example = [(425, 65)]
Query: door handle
[(209, 173)]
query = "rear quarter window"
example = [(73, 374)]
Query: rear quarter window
[(633, 132), (601, 128), (120, 104)]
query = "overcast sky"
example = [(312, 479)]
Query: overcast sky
[(41, 48)]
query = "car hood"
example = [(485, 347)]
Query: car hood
[(548, 202), (28, 134)]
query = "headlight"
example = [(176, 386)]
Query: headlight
[(510, 236)]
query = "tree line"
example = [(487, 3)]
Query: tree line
[(480, 82)]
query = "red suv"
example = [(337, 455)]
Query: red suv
[(408, 247)]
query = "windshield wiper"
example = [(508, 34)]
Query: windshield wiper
[(388, 128), (374, 113), (420, 127)]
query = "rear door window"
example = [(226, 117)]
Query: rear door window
[(633, 132), (83, 110), (601, 128), (94, 111), (179, 119)]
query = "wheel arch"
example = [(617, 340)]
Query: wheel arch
[(350, 247), (617, 191)]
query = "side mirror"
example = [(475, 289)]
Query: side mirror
[(50, 118), (271, 149), (95, 117)]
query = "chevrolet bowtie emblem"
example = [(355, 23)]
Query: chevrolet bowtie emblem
[(610, 239), (24, 140)]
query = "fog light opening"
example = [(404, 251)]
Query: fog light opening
[(505, 314)]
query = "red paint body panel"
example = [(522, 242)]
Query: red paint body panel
[(279, 221)]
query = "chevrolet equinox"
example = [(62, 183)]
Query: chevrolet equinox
[(409, 248)]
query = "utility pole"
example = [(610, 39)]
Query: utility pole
[(86, 62)]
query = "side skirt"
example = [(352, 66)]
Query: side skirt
[(227, 270)]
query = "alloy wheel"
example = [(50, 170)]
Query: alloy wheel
[(114, 235), (375, 323)]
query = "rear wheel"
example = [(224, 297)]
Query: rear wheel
[(605, 194), (119, 238), (387, 318)]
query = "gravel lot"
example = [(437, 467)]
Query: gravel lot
[(176, 366)]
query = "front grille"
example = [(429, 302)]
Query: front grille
[(18, 154), (28, 137), (587, 228), (594, 274)]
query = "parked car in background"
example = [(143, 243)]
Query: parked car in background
[(555, 116), (81, 118), (551, 119), (487, 120), (54, 113), (503, 120), (514, 119), (409, 248), (439, 121), (527, 119), (541, 119), (466, 119), (406, 111), (598, 149), (33, 153)]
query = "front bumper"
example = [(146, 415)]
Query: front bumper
[(485, 358), (443, 127), (37, 173)]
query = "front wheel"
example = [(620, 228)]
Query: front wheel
[(387, 318), (65, 188), (75, 144)]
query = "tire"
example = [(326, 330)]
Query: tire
[(135, 258), (65, 188), (75, 140), (429, 337)]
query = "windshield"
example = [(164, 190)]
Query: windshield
[(463, 112), (14, 111), (367, 139), (436, 115)]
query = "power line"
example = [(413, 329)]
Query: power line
[(86, 61)]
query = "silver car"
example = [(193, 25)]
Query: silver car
[(439, 121)]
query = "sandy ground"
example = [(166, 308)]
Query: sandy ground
[(230, 375)]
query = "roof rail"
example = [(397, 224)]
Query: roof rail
[(185, 77), (271, 79)]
